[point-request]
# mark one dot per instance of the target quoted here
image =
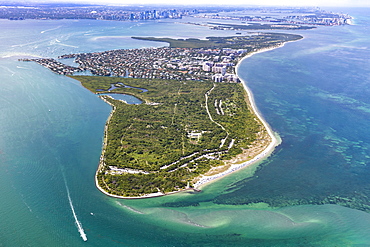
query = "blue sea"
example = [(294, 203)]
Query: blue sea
[(314, 190)]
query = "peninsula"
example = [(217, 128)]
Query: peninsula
[(197, 121)]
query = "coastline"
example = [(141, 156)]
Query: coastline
[(203, 179), (101, 165), (275, 139)]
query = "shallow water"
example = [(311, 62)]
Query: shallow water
[(314, 93)]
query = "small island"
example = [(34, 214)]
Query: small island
[(196, 122)]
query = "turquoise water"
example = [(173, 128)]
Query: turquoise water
[(314, 93)]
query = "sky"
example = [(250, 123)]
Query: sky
[(318, 3)]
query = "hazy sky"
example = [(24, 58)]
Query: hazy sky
[(349, 3)]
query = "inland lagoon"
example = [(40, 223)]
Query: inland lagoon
[(312, 191)]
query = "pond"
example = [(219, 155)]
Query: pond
[(129, 99)]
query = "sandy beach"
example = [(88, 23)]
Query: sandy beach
[(274, 139), (257, 155)]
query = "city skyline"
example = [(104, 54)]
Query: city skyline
[(319, 3)]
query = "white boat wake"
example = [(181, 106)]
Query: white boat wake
[(78, 223)]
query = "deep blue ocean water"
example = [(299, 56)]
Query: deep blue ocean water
[(314, 93)]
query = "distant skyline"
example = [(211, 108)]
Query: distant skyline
[(319, 3)]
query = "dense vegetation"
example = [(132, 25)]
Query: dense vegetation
[(184, 128), (259, 41), (165, 139)]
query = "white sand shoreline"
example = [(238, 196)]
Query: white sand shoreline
[(275, 139), (205, 180)]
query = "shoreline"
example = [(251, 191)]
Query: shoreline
[(206, 180), (101, 165), (275, 139)]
